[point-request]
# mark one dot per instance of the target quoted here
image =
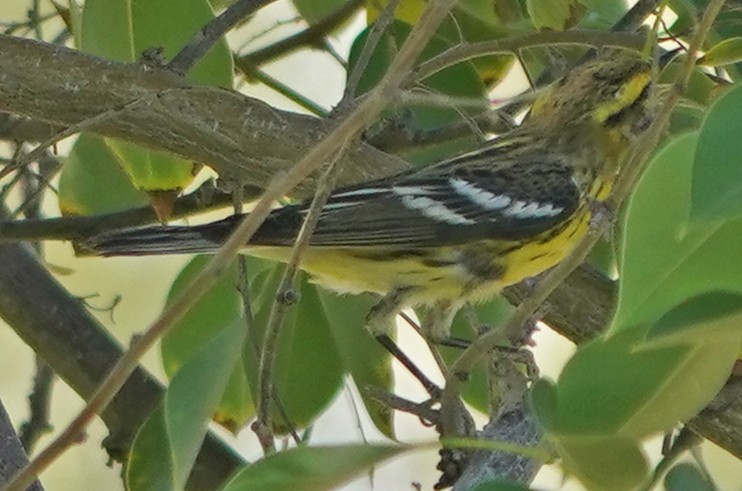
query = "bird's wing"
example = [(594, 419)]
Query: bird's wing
[(424, 209)]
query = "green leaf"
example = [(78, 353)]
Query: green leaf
[(310, 468), (543, 398), (219, 309), (663, 260), (492, 314), (619, 386), (687, 17), (727, 52), (717, 176), (314, 11), (89, 168), (122, 31), (712, 315), (607, 12), (555, 15), (700, 88), (306, 357), (461, 80), (606, 464), (166, 446), (687, 477), (363, 357), (307, 353), (153, 170)]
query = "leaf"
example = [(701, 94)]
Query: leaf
[(619, 386), (607, 12), (363, 357), (166, 446), (606, 464), (712, 315), (308, 369), (314, 11), (700, 88), (687, 477), (543, 399), (717, 176), (663, 260), (122, 31), (727, 52), (89, 168), (461, 80), (219, 309), (477, 391), (408, 11), (153, 170), (311, 468), (555, 15)]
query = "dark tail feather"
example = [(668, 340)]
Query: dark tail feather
[(147, 241), (280, 229)]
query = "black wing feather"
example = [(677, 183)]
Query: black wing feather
[(375, 214), (372, 214)]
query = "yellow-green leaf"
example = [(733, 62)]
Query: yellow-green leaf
[(555, 15), (727, 52)]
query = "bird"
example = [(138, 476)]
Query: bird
[(462, 229)]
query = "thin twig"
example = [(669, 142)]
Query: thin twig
[(635, 17), (422, 410), (77, 229), (419, 97), (308, 37), (39, 400), (208, 35), (364, 114), (464, 364), (372, 40), (467, 51), (37, 152), (283, 89), (285, 297)]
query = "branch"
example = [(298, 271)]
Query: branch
[(243, 139), (12, 455), (310, 36), (57, 327), (77, 229), (467, 51), (208, 35), (38, 401)]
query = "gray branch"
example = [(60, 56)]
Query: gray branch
[(58, 327), (243, 139), (12, 455)]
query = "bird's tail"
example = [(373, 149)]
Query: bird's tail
[(159, 240), (279, 229)]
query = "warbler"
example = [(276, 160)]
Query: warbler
[(462, 229)]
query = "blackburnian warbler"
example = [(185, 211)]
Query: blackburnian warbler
[(462, 229)]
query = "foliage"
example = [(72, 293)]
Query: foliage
[(670, 347)]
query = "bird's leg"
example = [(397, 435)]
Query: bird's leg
[(437, 324), (380, 321)]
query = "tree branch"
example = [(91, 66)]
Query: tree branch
[(56, 326), (243, 139), (12, 455), (208, 35), (77, 229), (312, 35)]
